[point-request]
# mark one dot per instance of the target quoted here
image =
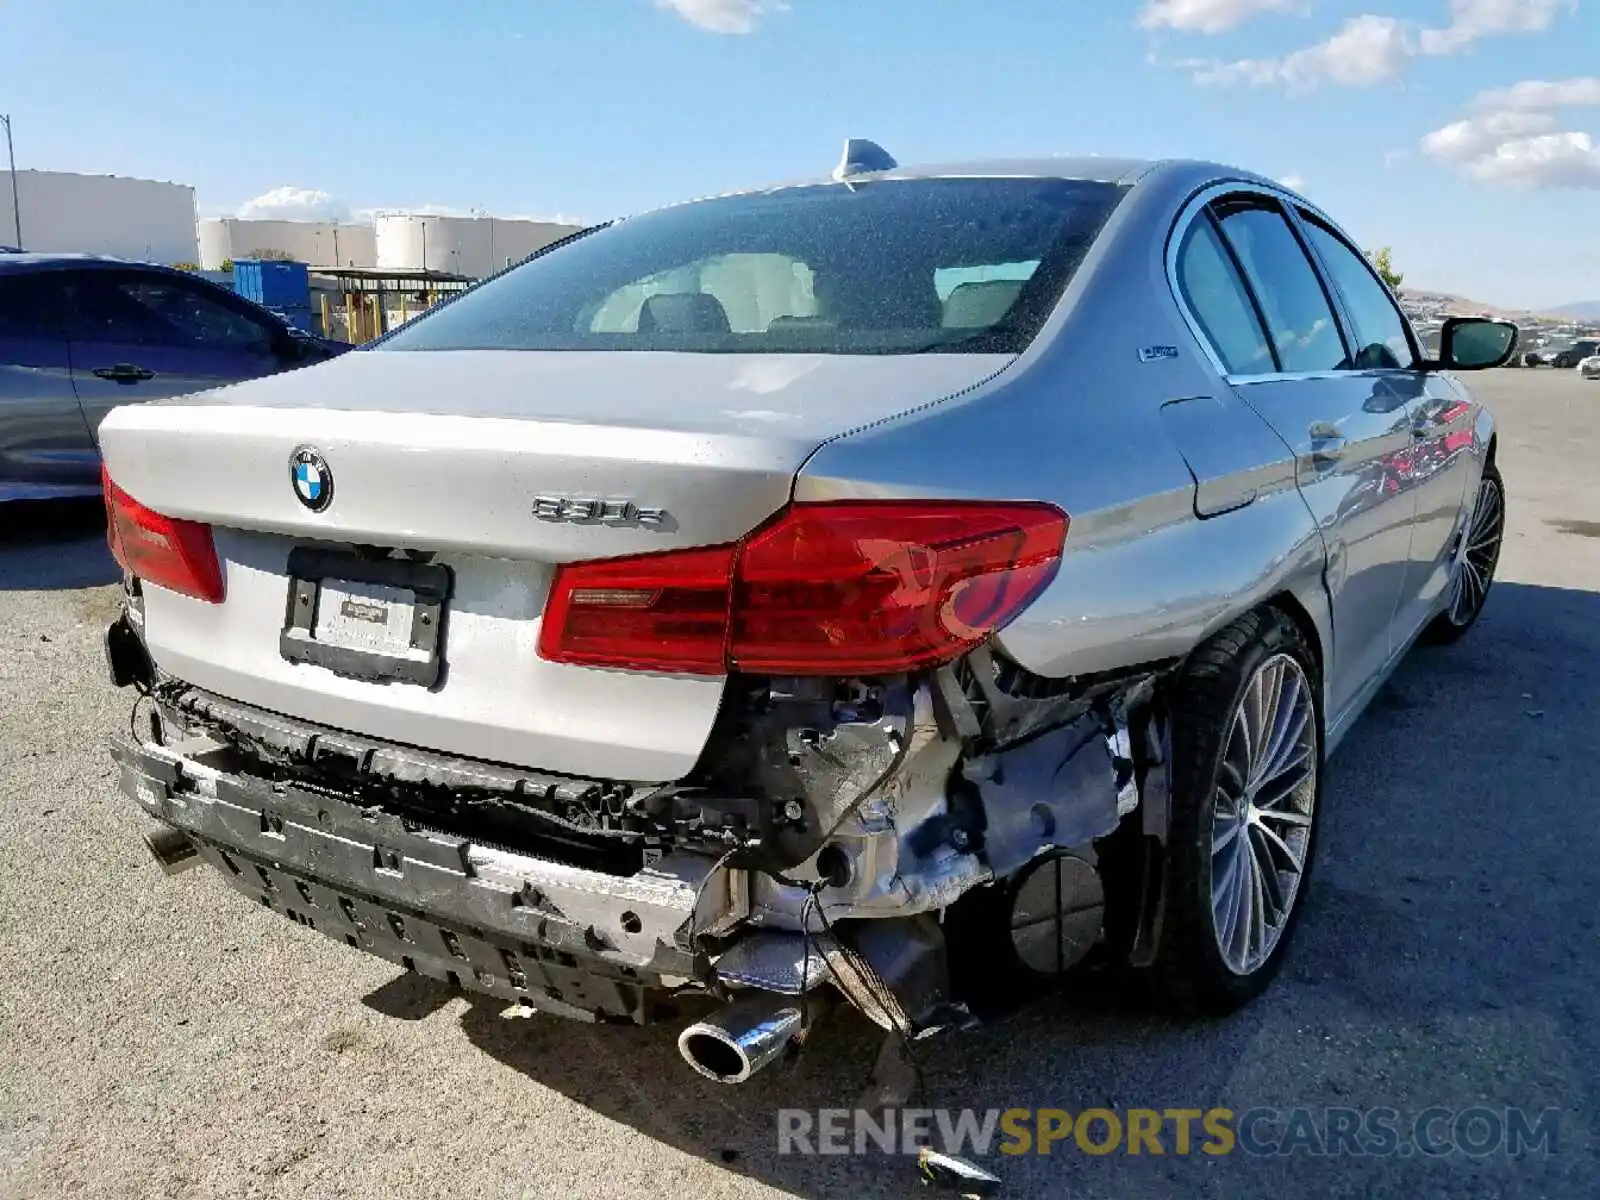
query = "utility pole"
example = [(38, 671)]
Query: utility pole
[(11, 157)]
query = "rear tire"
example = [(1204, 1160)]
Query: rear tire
[(1476, 557), (1246, 788)]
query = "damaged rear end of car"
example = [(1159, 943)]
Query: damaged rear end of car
[(537, 653), (872, 759)]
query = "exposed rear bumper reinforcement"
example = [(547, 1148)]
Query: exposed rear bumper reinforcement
[(559, 938)]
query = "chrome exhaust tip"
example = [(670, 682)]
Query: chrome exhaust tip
[(735, 1043), (172, 850)]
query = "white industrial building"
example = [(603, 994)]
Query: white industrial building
[(318, 243), (62, 212), (470, 246)]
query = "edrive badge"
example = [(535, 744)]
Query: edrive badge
[(313, 481)]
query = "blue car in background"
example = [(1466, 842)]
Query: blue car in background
[(80, 335)]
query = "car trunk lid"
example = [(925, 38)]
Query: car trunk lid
[(452, 449), (483, 463)]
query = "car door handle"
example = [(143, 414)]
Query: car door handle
[(124, 373), (1327, 443)]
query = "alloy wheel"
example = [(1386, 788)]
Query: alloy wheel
[(1478, 554), (1262, 815)]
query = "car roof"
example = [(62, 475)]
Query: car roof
[(31, 261), (1096, 168), (1093, 168)]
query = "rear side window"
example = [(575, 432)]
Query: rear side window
[(1299, 316), (1215, 294), (1376, 324), (154, 310), (31, 306), (887, 267)]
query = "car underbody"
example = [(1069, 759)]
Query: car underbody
[(863, 835)]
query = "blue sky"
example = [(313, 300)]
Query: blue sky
[(1463, 133)]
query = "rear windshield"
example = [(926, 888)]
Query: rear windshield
[(886, 267)]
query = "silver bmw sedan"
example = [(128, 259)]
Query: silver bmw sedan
[(906, 584)]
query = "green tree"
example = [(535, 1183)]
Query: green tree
[(1385, 268)]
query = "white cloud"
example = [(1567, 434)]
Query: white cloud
[(451, 210), (420, 210), (1515, 138), (1565, 159), (723, 16), (1295, 183), (295, 204), (308, 204), (1471, 20), (1371, 49), (1537, 94), (1465, 142), (1213, 16), (1365, 51), (559, 218)]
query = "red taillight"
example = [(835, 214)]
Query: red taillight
[(868, 587), (879, 587), (177, 555), (655, 612)]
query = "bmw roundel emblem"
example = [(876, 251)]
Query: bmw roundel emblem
[(313, 481)]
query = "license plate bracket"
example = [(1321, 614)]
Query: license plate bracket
[(375, 619)]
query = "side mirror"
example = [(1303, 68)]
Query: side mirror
[(1475, 343), (294, 346)]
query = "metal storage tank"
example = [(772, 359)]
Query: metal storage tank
[(63, 212), (470, 246), (320, 243)]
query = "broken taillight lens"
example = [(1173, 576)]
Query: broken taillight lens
[(170, 553), (857, 587)]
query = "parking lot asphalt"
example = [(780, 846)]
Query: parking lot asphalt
[(161, 1037)]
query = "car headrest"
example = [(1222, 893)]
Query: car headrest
[(683, 312), (981, 304), (783, 323)]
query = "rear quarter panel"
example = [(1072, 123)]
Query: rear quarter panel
[(1114, 415)]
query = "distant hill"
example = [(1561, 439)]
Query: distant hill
[(1584, 310), (1445, 302), (1441, 303)]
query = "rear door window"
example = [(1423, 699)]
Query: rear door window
[(1379, 331), (887, 267), (1216, 296), (199, 316), (31, 306), (155, 310), (105, 311), (1299, 315)]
